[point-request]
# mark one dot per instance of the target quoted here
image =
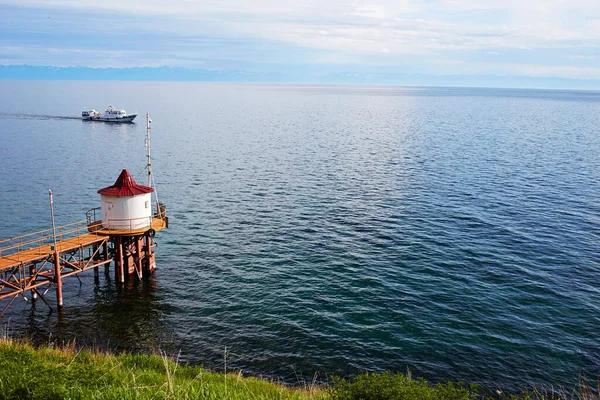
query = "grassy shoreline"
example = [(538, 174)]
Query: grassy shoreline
[(50, 372), (28, 372)]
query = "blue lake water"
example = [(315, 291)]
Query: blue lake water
[(328, 229)]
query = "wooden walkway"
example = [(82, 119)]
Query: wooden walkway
[(31, 261), (44, 251)]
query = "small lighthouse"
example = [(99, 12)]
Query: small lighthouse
[(126, 217), (126, 205)]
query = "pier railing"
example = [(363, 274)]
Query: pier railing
[(42, 238), (156, 221)]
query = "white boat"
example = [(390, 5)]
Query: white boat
[(110, 115)]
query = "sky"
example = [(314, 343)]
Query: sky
[(542, 41)]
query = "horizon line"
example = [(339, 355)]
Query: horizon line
[(28, 72)]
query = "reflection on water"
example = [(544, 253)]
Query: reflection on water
[(116, 317)]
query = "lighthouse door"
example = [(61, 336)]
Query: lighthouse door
[(107, 210)]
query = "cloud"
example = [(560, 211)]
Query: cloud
[(526, 24), (409, 34)]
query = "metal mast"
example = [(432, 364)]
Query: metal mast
[(52, 213), (148, 129)]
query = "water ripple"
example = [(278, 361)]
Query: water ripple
[(339, 229)]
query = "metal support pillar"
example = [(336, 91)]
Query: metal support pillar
[(96, 258), (119, 260), (138, 255), (34, 295), (57, 279), (106, 266), (150, 260)]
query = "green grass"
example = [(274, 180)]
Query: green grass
[(397, 386), (46, 373), (28, 372), (390, 386)]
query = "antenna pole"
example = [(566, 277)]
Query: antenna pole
[(148, 129), (57, 279), (52, 213)]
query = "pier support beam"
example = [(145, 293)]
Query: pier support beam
[(119, 260), (106, 257), (57, 280), (139, 242), (96, 258), (150, 259), (34, 295), (105, 250)]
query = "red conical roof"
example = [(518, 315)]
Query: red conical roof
[(125, 186)]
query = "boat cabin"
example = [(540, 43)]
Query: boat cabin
[(113, 111)]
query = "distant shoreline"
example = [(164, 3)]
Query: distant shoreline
[(284, 76)]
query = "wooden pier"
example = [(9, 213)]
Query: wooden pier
[(41, 260)]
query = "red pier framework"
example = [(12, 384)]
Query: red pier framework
[(31, 263)]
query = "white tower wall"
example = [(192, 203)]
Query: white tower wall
[(128, 212)]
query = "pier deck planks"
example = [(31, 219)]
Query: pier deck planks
[(39, 253)]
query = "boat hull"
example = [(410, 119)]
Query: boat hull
[(125, 118)]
